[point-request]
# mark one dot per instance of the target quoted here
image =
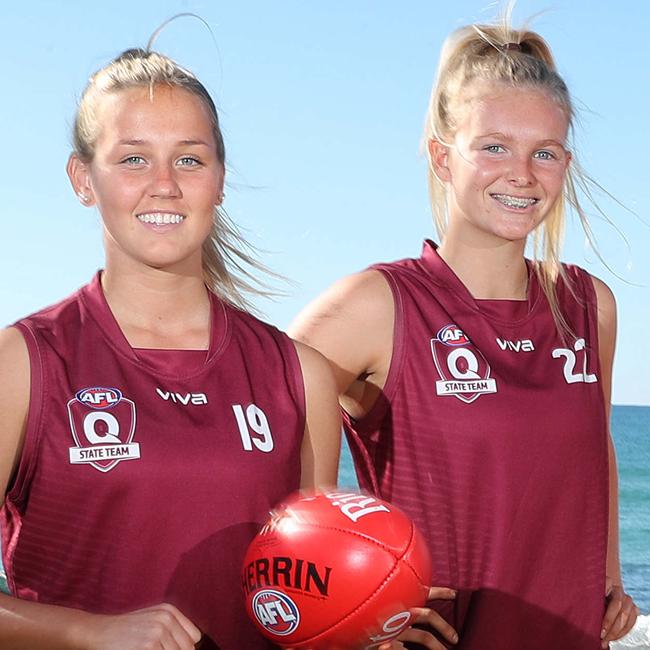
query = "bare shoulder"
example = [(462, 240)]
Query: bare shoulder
[(314, 365), (351, 323), (318, 378), (371, 282), (604, 296), (14, 361), (359, 297), (14, 398)]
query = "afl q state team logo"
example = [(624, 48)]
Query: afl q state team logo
[(463, 370), (102, 422), (276, 612)]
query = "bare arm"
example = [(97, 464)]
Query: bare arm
[(322, 441), (621, 612), (14, 401), (26, 625), (607, 343), (23, 624), (351, 324)]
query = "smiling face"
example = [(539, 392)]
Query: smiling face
[(155, 177), (505, 169)]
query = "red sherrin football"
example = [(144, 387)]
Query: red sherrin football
[(335, 571)]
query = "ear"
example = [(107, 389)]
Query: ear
[(569, 157), (220, 193), (79, 175), (439, 159)]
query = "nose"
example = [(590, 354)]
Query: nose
[(164, 183), (521, 172)]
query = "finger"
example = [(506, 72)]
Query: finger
[(175, 629), (421, 637), (625, 620), (613, 608), (424, 615), (179, 639), (171, 636), (632, 614), (441, 593), (170, 643), (185, 624), (617, 626)]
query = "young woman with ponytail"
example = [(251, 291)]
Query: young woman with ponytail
[(475, 380), (149, 422)]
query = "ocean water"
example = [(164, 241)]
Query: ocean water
[(631, 431)]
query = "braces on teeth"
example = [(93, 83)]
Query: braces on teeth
[(513, 202)]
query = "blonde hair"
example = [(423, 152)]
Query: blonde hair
[(228, 260), (522, 59)]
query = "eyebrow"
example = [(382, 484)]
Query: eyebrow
[(503, 136), (496, 134), (136, 142)]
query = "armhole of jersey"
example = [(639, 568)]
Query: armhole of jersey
[(591, 300), (592, 311), (372, 419), (27, 464), (591, 307)]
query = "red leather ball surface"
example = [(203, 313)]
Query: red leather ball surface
[(335, 571)]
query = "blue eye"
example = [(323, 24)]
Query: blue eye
[(134, 160), (188, 161), (545, 155), (494, 148)]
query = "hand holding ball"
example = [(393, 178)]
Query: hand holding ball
[(335, 571)]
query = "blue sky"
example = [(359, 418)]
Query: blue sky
[(322, 106)]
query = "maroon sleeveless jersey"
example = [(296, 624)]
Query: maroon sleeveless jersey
[(491, 433), (146, 473)]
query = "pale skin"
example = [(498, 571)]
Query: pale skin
[(510, 144), (151, 156)]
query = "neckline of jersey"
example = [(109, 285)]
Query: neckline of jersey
[(442, 274), (98, 308)]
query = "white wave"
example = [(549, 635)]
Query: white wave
[(638, 638)]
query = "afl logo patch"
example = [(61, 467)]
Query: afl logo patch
[(102, 423), (276, 612), (99, 398), (462, 369)]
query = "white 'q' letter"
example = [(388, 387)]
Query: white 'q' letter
[(112, 424)]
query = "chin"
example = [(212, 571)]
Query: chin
[(517, 231)]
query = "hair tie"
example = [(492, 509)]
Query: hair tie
[(512, 46)]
